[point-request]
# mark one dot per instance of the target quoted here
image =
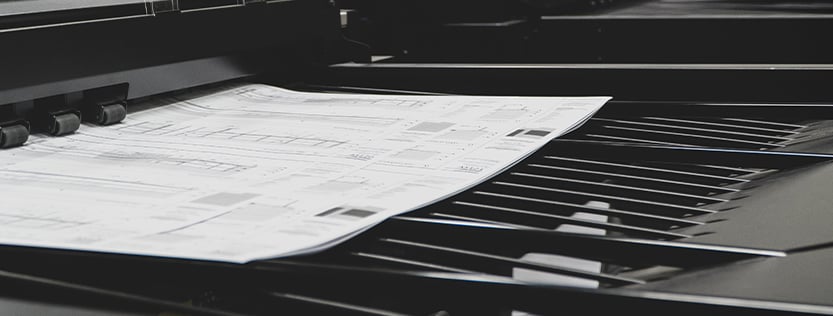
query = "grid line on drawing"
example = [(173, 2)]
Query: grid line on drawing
[(11, 176), (293, 116), (146, 128), (256, 95), (22, 221), (202, 164), (399, 103)]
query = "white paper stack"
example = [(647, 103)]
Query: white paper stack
[(255, 171)]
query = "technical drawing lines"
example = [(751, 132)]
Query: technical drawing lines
[(210, 165), (228, 133), (399, 103), (10, 221), (255, 95), (45, 179), (253, 112)]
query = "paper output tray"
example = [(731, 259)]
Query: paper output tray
[(667, 226)]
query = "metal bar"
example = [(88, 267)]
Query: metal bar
[(520, 263), (634, 153), (674, 206), (724, 139), (705, 199), (774, 138), (796, 126), (635, 66), (721, 125), (485, 221), (746, 171), (593, 247), (627, 176), (581, 222), (630, 139), (598, 210), (634, 167), (411, 262)]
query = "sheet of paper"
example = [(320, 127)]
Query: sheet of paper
[(255, 171)]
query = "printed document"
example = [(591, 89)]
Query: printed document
[(253, 171)]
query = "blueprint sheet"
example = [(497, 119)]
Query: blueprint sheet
[(254, 171)]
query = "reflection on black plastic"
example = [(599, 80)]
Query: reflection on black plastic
[(187, 5), (40, 13)]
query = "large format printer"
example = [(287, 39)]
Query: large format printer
[(711, 167)]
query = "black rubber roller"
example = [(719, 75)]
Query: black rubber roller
[(111, 114), (63, 124), (14, 135)]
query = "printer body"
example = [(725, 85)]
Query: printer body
[(705, 181)]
